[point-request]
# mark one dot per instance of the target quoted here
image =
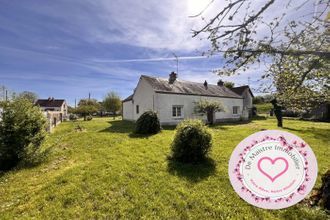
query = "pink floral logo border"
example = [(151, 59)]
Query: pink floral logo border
[(267, 202)]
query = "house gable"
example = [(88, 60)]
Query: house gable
[(142, 99)]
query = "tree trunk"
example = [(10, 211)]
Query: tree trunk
[(210, 117)]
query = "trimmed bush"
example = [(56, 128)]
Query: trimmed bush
[(192, 142), (89, 118), (148, 123)]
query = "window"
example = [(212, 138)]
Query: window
[(235, 110), (177, 111), (137, 109)]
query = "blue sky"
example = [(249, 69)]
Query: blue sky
[(69, 48)]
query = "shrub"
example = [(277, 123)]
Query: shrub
[(148, 123), (89, 118), (73, 117), (192, 142), (325, 190), (22, 131)]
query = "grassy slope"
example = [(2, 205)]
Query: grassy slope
[(107, 172)]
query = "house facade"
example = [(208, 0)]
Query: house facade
[(175, 100), (247, 95), (55, 110)]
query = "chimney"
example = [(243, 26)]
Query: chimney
[(172, 78), (220, 82), (205, 84)]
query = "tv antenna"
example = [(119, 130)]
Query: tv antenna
[(177, 62)]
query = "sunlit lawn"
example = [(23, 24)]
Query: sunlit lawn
[(105, 171)]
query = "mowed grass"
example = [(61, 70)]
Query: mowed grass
[(264, 108), (107, 172)]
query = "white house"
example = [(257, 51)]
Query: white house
[(174, 100), (247, 95), (55, 110)]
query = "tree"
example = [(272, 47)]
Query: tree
[(229, 85), (263, 99), (87, 107), (71, 110), (31, 96), (22, 131), (278, 113), (208, 108), (258, 100), (300, 87), (112, 103), (295, 47)]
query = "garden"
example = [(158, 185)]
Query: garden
[(105, 170)]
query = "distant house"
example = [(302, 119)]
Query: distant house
[(174, 100), (247, 95), (55, 110)]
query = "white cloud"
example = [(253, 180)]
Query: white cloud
[(152, 24)]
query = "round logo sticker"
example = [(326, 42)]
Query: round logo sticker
[(272, 169)]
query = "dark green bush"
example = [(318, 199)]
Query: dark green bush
[(73, 117), (89, 118), (192, 142), (22, 131), (325, 190), (148, 123)]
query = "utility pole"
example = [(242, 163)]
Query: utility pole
[(89, 96), (3, 93)]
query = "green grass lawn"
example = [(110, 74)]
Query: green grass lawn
[(105, 171), (264, 108)]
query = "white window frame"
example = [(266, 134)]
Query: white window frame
[(237, 112), (176, 111)]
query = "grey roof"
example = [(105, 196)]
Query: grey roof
[(189, 88), (50, 103), (129, 98), (239, 90)]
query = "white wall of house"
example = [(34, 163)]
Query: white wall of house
[(165, 102), (247, 99), (51, 108), (143, 100), (128, 110), (64, 110)]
